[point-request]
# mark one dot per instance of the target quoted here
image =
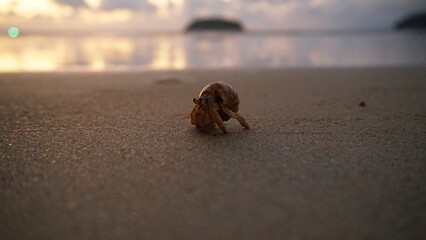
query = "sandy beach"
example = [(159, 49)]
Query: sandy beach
[(331, 154)]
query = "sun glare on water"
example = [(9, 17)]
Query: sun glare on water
[(169, 56)]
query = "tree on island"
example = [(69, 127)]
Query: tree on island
[(414, 21), (214, 24)]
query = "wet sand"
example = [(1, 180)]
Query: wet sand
[(331, 154)]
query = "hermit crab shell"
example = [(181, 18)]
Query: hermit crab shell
[(223, 94), (214, 95)]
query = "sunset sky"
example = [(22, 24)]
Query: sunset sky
[(173, 15)]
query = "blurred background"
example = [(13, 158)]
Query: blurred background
[(108, 35)]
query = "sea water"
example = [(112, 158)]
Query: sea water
[(213, 50)]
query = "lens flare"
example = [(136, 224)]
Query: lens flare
[(13, 32)]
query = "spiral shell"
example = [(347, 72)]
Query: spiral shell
[(216, 100)]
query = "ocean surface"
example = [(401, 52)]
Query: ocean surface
[(176, 51)]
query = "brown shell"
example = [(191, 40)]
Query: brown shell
[(214, 94), (224, 93)]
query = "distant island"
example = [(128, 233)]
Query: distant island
[(414, 21), (214, 24)]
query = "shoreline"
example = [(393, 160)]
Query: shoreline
[(148, 70)]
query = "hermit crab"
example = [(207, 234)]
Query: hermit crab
[(217, 102)]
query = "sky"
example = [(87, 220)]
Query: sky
[(174, 15)]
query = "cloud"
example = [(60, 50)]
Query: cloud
[(197, 7), (72, 3), (328, 14), (135, 5), (373, 13), (254, 14), (277, 2)]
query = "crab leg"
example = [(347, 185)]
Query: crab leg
[(216, 118), (236, 116)]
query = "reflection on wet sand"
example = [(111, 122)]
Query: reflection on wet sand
[(211, 50), (38, 55), (48, 53), (168, 55)]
